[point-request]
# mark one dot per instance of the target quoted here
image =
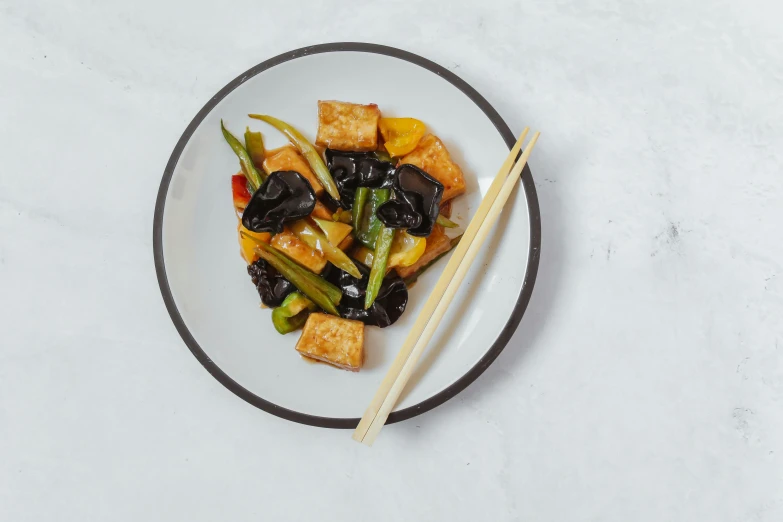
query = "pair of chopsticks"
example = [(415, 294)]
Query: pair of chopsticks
[(440, 298)]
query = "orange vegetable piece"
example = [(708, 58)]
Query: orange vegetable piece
[(401, 135), (239, 192), (247, 247)]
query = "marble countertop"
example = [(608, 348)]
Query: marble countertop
[(645, 382)]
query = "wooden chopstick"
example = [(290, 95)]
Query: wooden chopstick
[(402, 368), (453, 282), (432, 302)]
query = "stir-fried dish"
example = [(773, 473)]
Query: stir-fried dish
[(335, 233)]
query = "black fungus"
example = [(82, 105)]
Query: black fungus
[(285, 196), (374, 173), (351, 170), (416, 204), (398, 214), (272, 287), (388, 306)]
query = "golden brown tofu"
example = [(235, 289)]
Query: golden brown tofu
[(333, 340), (432, 157), (296, 249), (288, 158), (437, 243), (346, 243), (321, 211), (348, 126)]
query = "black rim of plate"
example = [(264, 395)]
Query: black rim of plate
[(458, 385)]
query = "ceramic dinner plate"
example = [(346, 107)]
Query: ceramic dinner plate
[(204, 281)]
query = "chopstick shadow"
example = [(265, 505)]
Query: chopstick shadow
[(547, 289)]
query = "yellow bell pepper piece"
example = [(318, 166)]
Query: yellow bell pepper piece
[(401, 135), (247, 247), (405, 251)]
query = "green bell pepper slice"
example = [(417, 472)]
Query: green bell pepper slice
[(292, 313)]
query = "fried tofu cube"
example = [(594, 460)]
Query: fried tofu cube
[(333, 340), (288, 158), (321, 211), (346, 243), (348, 126), (287, 243), (431, 156), (437, 243)]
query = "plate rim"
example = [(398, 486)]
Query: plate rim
[(455, 387)]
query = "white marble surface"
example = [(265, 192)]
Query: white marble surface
[(644, 384)]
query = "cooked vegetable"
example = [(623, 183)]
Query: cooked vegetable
[(388, 306), (375, 173), (352, 170), (399, 214), (370, 224), (254, 143), (363, 255), (285, 196), (357, 212), (245, 161), (297, 250), (390, 183), (247, 246), (289, 158), (315, 289), (292, 313), (331, 291), (432, 157), (347, 126), (334, 231), (333, 340), (307, 150), (343, 216), (445, 222), (406, 250), (416, 203), (315, 239), (239, 192), (272, 287), (401, 135), (380, 260), (411, 274)]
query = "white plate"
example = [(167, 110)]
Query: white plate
[(204, 281)]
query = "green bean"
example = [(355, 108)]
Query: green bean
[(254, 143), (302, 284), (358, 207), (368, 234), (445, 222), (380, 259), (307, 150), (316, 240), (253, 176), (292, 313), (331, 291)]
